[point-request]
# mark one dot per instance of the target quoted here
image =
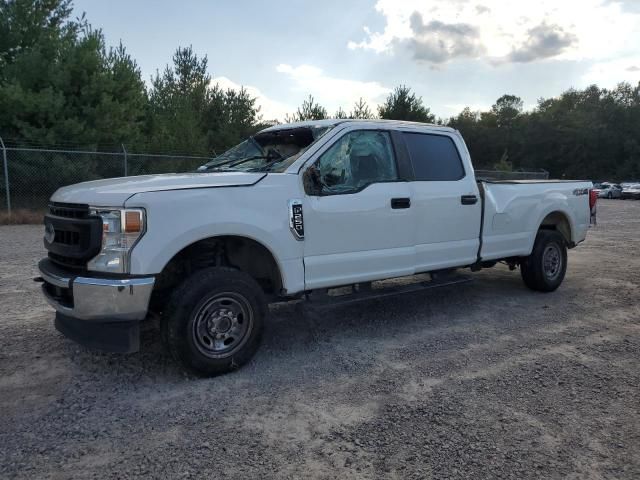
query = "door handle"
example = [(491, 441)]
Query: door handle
[(469, 199), (400, 203)]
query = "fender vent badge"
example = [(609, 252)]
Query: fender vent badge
[(296, 219)]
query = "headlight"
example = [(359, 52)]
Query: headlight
[(121, 229)]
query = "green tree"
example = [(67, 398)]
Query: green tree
[(504, 165), (361, 110), (402, 104), (231, 116), (592, 133), (188, 114), (507, 109), (179, 99), (340, 114), (309, 110), (25, 25), (59, 83), (506, 113)]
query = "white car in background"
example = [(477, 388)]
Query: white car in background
[(631, 192), (609, 190)]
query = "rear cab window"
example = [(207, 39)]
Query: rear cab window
[(434, 157)]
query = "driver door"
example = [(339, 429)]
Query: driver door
[(359, 223)]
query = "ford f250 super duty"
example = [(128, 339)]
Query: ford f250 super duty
[(291, 213)]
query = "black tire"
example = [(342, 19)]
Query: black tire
[(609, 195), (549, 247), (210, 308)]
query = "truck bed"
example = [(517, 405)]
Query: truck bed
[(514, 209), (533, 181)]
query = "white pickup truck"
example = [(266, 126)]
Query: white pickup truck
[(290, 213)]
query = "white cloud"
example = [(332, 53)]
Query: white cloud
[(437, 42), (543, 41), (612, 72), (269, 109), (504, 30), (631, 6), (332, 92)]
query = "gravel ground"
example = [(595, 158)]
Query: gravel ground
[(483, 380)]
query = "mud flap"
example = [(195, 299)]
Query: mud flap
[(115, 337)]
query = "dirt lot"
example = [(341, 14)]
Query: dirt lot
[(484, 380)]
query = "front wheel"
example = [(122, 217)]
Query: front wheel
[(545, 268), (214, 321)]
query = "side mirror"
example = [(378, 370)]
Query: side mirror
[(312, 182)]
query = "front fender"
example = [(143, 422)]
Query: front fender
[(156, 252), (177, 219)]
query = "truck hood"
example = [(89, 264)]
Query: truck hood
[(113, 192)]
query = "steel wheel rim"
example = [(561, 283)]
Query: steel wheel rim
[(221, 325), (552, 261)]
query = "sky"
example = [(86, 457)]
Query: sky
[(453, 53)]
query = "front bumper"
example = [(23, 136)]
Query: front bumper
[(99, 313), (95, 299)]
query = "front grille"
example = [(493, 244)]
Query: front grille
[(69, 262), (78, 235), (69, 210), (66, 237)]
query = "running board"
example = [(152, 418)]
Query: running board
[(363, 292)]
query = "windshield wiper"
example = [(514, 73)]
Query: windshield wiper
[(271, 154), (233, 163), (267, 166), (270, 164)]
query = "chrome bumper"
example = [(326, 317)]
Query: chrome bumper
[(95, 299)]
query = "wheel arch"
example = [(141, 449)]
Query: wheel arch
[(560, 221), (241, 252)]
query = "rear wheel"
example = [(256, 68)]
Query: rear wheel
[(214, 321), (545, 268)]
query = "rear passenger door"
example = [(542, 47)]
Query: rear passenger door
[(445, 199)]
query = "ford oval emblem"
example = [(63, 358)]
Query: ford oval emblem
[(49, 233)]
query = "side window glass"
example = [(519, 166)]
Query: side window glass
[(356, 160), (434, 157)]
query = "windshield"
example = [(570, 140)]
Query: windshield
[(273, 150)]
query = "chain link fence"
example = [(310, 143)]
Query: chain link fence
[(29, 176)]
